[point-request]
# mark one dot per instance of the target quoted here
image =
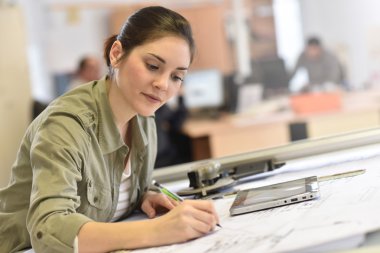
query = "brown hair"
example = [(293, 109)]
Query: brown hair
[(149, 24)]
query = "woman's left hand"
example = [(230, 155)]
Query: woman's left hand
[(154, 202)]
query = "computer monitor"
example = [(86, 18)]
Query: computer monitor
[(272, 74), (203, 89)]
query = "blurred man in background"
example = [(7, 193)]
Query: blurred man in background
[(323, 67), (88, 70)]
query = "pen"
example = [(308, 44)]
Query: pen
[(170, 194), (167, 192)]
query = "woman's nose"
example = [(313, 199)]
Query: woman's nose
[(161, 82)]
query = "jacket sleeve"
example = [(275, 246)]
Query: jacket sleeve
[(58, 149)]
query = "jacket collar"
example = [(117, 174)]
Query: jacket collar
[(108, 134)]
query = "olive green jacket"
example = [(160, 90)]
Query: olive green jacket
[(68, 171)]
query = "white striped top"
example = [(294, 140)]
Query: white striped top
[(125, 185)]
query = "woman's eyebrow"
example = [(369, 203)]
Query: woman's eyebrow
[(163, 61), (158, 58)]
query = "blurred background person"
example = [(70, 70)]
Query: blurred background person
[(89, 69), (324, 70)]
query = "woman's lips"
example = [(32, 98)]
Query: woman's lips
[(152, 98)]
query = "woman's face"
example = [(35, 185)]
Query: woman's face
[(151, 74)]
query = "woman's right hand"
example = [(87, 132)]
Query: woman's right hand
[(189, 220)]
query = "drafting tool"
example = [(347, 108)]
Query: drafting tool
[(209, 177), (351, 173)]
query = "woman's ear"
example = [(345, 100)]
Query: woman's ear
[(115, 53)]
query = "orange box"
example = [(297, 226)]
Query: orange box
[(316, 102)]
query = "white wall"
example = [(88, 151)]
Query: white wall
[(57, 39), (287, 16), (14, 88), (351, 28), (35, 20), (71, 38)]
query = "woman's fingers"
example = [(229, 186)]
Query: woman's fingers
[(205, 206), (167, 202), (174, 202), (197, 215), (147, 208), (156, 202), (189, 220), (197, 229)]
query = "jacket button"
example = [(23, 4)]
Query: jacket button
[(39, 235), (95, 199)]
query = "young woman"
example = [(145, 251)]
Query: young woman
[(87, 159)]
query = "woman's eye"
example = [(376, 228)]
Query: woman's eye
[(152, 67), (177, 78)]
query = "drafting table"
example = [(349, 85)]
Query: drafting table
[(340, 219)]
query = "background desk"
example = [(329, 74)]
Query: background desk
[(233, 134)]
